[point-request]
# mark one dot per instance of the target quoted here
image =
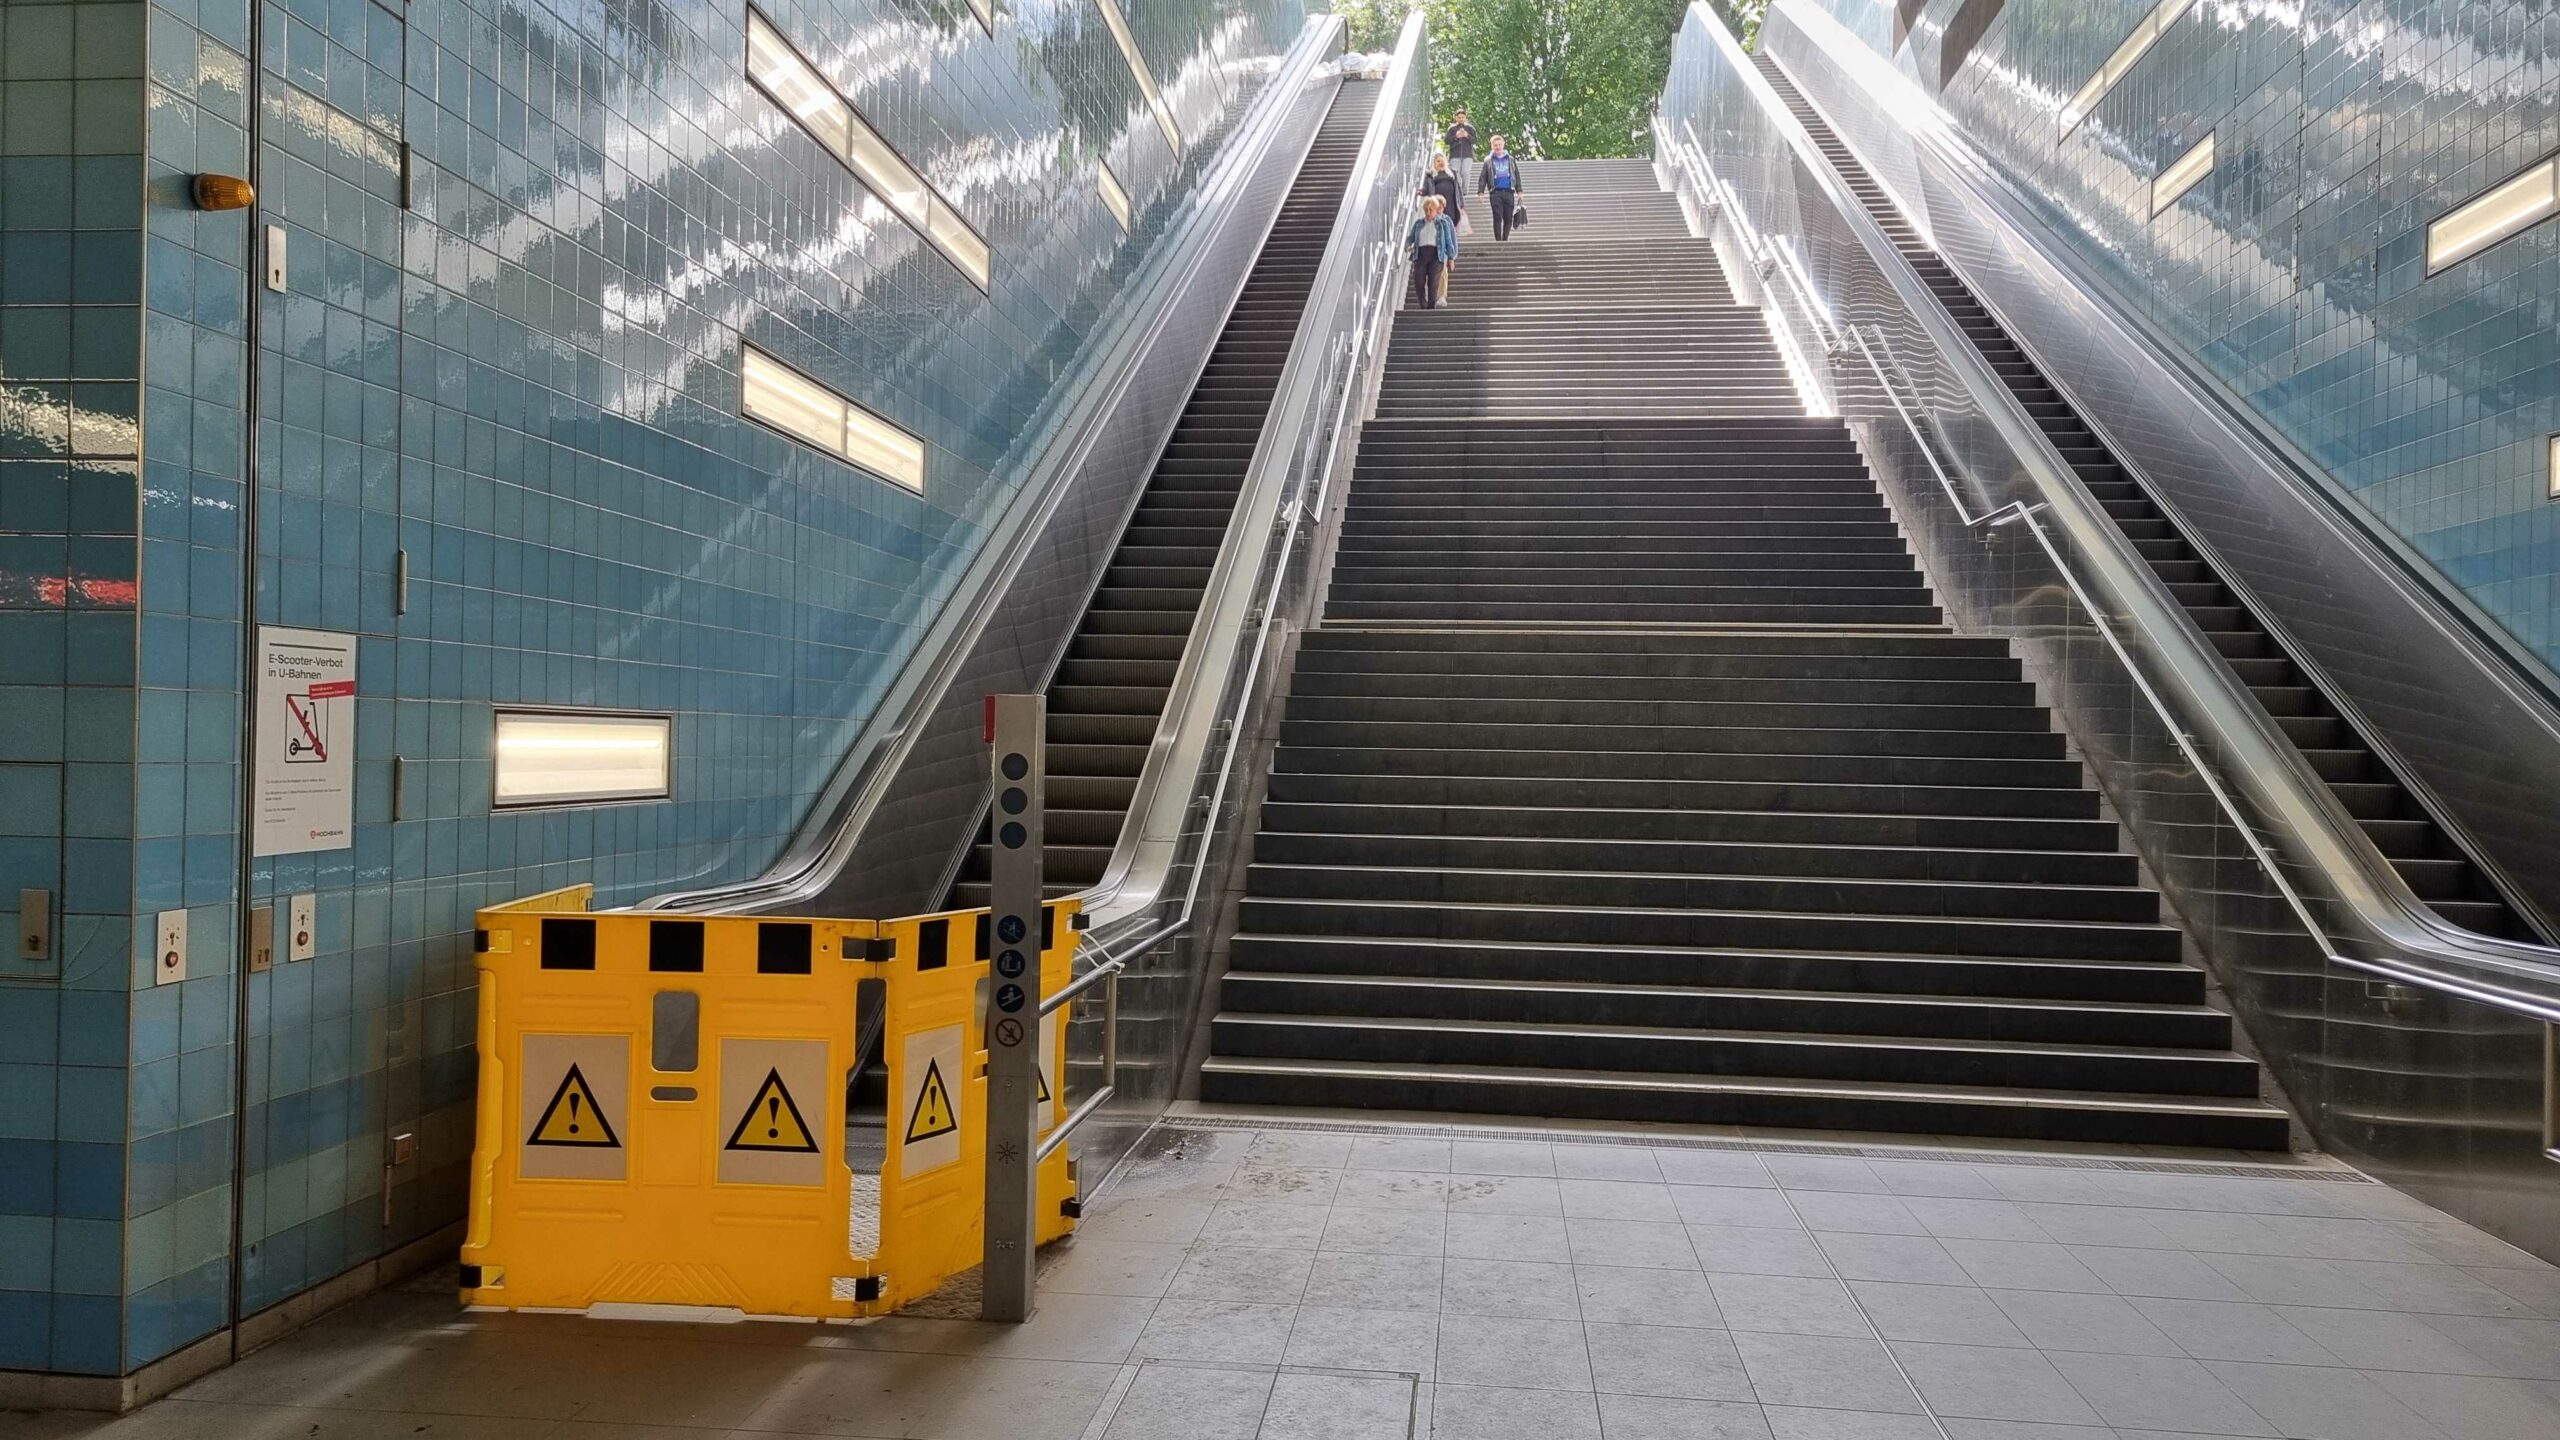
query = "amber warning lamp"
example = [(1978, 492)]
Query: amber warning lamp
[(223, 192)]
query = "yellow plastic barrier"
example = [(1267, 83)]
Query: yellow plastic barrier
[(662, 1115), (933, 1184)]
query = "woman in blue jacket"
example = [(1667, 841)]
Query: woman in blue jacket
[(1430, 243)]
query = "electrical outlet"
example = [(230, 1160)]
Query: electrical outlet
[(301, 943), (404, 1147), (170, 962)]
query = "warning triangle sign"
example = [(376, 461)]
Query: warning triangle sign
[(934, 1115), (772, 1121), (1044, 1083), (574, 1118)]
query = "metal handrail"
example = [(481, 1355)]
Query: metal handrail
[(1142, 859), (2198, 695), (859, 784), (1239, 599)]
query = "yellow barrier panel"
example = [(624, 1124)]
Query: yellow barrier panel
[(662, 1110), (932, 1198)]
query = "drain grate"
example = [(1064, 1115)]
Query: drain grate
[(2320, 1174)]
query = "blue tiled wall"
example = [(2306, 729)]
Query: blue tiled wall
[(527, 380), (2296, 271)]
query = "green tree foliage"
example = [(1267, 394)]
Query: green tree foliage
[(1564, 79)]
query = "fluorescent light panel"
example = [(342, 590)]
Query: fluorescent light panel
[(1119, 24), (795, 85), (2477, 224), (551, 757), (809, 412), (2552, 480), (2182, 174), (2135, 46), (1114, 199)]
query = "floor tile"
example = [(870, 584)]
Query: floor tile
[(1191, 1402), (1299, 1147), (1475, 1412), (1912, 1259), (1765, 1208), (2299, 1400), (1665, 1360), (2222, 1330), (1855, 1213), (1713, 1167), (1954, 1314), (2536, 1289), (1393, 1189), (2475, 1407), (1222, 1332), (2145, 1392), (1792, 1423), (1987, 1383), (1264, 1225), (1064, 1325), (2167, 1274), (1332, 1338), (1284, 1184), (2063, 1320), (1516, 1237), (1338, 1407), (1606, 1162), (1394, 1152), (1655, 1244), (1970, 1219), (1788, 1304), (1750, 1250), (1633, 1295), (963, 1398), (1652, 1417), (1374, 1282), (2455, 1243), (1851, 1373), (1492, 1350), (1110, 1267), (2284, 1280), (1268, 1277), (2119, 1226), (1501, 1157), (2432, 1289), (1505, 1195), (2518, 1349), (1385, 1232), (1526, 1289), (1933, 1177), (1825, 1172), (2020, 1265), (1145, 1220), (2379, 1340), (1617, 1200)]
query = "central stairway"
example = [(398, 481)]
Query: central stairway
[(1634, 774)]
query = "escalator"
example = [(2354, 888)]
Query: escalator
[(1108, 693), (2433, 866)]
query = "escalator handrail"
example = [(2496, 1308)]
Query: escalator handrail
[(1135, 878), (859, 784), (2198, 691)]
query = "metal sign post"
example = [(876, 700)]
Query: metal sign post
[(1015, 731)]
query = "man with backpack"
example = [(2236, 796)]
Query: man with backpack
[(1500, 177)]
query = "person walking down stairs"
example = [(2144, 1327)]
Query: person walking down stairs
[(1431, 242), (1444, 182), (1500, 177)]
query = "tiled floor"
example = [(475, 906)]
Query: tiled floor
[(1314, 1285)]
